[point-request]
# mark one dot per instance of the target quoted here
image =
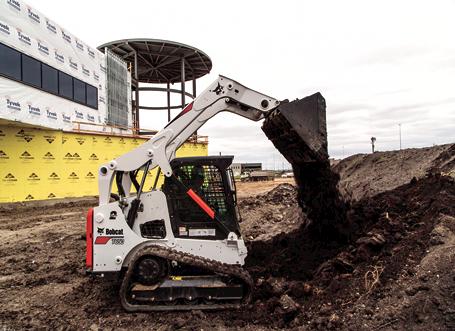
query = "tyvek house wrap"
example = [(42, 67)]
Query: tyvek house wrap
[(33, 33)]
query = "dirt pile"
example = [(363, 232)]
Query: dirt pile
[(269, 214), (445, 162), (369, 174), (395, 271)]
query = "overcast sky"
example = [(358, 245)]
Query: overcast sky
[(377, 63)]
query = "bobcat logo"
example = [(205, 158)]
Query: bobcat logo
[(81, 141), (93, 157), (100, 230), (219, 89), (51, 195), (29, 197)]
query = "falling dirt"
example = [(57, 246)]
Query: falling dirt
[(298, 131), (319, 198), (394, 271)]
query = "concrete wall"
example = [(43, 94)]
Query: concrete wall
[(38, 164)]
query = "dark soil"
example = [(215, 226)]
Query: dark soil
[(394, 271), (339, 286), (320, 199)]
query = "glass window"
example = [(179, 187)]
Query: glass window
[(79, 90), (10, 62), (65, 85), (31, 71), (49, 79), (21, 67), (92, 96)]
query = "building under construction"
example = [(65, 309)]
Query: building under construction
[(67, 107)]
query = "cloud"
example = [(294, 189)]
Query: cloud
[(393, 55), (376, 63)]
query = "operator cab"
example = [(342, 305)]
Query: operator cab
[(201, 197)]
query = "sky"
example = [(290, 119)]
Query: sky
[(377, 63)]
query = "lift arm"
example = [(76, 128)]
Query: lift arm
[(224, 94)]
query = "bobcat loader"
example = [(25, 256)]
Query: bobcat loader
[(179, 246)]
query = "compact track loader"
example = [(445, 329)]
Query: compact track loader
[(179, 246)]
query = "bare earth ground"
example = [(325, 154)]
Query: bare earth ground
[(395, 272), (368, 174), (248, 189)]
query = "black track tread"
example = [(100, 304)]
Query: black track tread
[(189, 259)]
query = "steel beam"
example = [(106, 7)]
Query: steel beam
[(168, 102), (194, 87), (163, 89), (182, 61), (159, 108)]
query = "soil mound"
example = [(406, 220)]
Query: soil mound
[(328, 285), (269, 214), (369, 174)]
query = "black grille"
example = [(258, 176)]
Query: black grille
[(153, 229)]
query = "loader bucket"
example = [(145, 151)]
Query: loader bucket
[(298, 129)]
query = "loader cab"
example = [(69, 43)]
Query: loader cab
[(201, 197)]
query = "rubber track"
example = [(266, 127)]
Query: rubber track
[(189, 259)]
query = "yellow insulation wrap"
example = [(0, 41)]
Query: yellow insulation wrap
[(38, 164)]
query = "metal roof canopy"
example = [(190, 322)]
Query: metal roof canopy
[(157, 61), (161, 61)]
